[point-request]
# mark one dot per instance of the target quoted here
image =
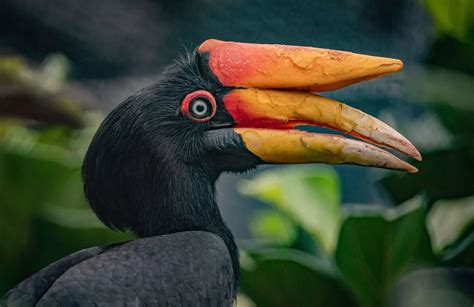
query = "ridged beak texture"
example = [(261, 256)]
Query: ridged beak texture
[(274, 93)]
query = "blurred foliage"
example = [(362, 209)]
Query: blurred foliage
[(43, 214), (434, 287), (39, 95), (273, 227), (286, 277), (453, 17), (375, 246), (449, 220), (319, 187)]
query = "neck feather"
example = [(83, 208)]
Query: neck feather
[(155, 197)]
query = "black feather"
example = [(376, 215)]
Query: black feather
[(182, 269)]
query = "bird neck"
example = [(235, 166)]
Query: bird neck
[(184, 200)]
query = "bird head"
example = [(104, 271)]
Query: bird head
[(230, 106)]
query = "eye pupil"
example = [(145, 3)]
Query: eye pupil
[(201, 108)]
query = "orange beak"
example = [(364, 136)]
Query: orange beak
[(272, 95)]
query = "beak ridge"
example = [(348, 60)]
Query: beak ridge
[(291, 67)]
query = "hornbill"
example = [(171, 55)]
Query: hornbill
[(152, 165)]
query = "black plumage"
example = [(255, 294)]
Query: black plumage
[(148, 170), (156, 271)]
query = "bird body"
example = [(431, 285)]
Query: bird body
[(190, 268), (152, 166)]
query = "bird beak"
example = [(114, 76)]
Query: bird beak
[(272, 93)]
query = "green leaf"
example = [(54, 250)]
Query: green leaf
[(284, 277), (437, 287), (453, 54), (448, 220), (27, 183), (376, 245), (48, 220), (53, 71), (461, 253), (273, 227), (453, 17), (459, 122), (309, 195), (440, 86), (71, 217), (38, 172), (443, 174)]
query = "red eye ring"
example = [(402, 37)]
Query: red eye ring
[(196, 96)]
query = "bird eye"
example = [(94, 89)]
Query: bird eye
[(199, 106)]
